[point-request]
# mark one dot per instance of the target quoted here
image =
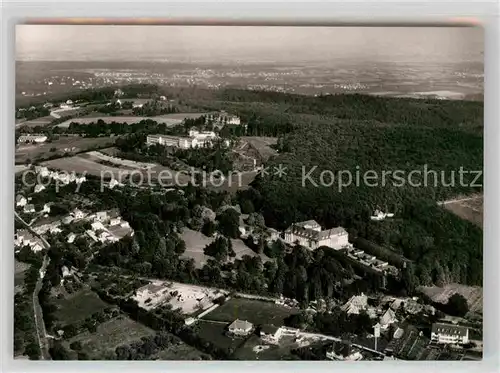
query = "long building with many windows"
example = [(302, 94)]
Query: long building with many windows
[(310, 235)]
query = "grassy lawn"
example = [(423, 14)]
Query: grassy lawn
[(215, 333), (111, 334), (283, 351), (19, 272), (256, 311), (78, 306), (180, 351)]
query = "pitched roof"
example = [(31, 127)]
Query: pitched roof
[(299, 229), (19, 197), (449, 329), (240, 324), (388, 317), (269, 329)]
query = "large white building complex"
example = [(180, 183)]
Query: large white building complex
[(222, 118), (33, 138), (195, 139), (309, 234)]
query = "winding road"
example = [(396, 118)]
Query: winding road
[(37, 309)]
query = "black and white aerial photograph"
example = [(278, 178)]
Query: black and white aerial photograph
[(204, 192)]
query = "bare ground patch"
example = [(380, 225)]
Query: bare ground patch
[(470, 209), (473, 294)]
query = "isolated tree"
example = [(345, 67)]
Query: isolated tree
[(457, 305)]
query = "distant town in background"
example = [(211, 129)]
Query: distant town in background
[(254, 265)]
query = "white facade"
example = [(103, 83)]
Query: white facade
[(240, 327), (31, 138), (449, 334), (310, 235), (39, 188), (21, 201), (223, 118), (195, 139)]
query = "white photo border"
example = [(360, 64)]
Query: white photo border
[(376, 12)]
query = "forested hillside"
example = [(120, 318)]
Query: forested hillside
[(361, 133)]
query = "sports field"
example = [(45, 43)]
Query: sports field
[(255, 311)]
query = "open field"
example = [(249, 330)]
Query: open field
[(42, 121), (88, 163), (255, 311), (100, 157), (113, 333), (473, 294), (188, 298), (168, 119), (63, 145), (470, 209), (81, 165), (197, 241), (78, 306)]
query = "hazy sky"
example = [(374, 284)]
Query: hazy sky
[(229, 43)]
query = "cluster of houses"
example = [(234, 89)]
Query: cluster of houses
[(61, 177), (195, 139), (310, 235), (24, 237), (106, 227), (29, 208)]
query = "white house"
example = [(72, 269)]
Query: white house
[(380, 215), (388, 318), (98, 226), (356, 304), (194, 140), (46, 208), (65, 271), (21, 201), (449, 334), (101, 216), (115, 221), (78, 214), (39, 188), (71, 238), (270, 333), (240, 327), (29, 208), (310, 235)]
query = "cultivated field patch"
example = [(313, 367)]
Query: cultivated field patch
[(78, 306), (59, 147), (113, 333), (168, 119)]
